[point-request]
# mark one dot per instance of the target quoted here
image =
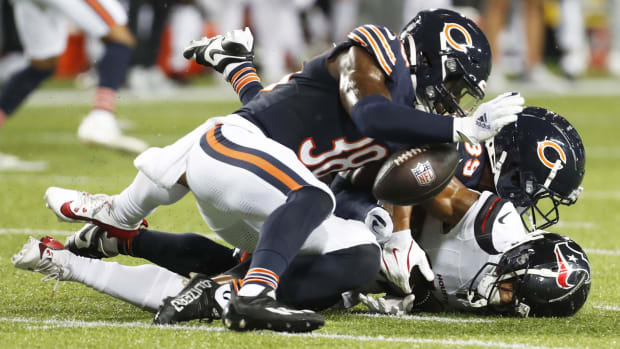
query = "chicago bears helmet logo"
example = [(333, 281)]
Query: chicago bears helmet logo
[(550, 144), (424, 173), (457, 37), (568, 260)]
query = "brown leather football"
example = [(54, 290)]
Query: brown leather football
[(412, 176)]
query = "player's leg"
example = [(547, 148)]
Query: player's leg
[(237, 172), (43, 36), (144, 286), (104, 19), (121, 215)]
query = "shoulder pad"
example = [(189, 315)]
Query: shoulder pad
[(381, 43)]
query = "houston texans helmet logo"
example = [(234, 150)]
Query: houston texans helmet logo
[(571, 265)]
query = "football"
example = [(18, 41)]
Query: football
[(412, 176)]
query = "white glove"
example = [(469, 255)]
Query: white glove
[(379, 222), (488, 119), (388, 305), (220, 51), (399, 256)]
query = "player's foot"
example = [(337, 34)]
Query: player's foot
[(219, 51), (76, 206), (92, 241), (100, 127), (46, 257), (195, 301), (263, 312), (13, 163)]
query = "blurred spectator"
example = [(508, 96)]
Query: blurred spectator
[(535, 74), (147, 19)]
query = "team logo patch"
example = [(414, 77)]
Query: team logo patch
[(424, 173), (542, 153), (568, 276), (457, 37)]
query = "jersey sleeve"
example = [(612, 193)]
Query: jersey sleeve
[(469, 170), (382, 44)]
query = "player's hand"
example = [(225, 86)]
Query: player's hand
[(399, 255), (379, 222), (236, 46), (388, 305), (488, 119)]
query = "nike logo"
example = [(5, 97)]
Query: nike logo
[(390, 35), (501, 219)]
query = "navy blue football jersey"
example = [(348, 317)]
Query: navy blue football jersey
[(303, 111), (471, 167)]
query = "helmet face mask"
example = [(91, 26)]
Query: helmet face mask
[(450, 61), (548, 274), (538, 163)]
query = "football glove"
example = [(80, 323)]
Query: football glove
[(488, 119), (379, 222), (399, 255), (219, 51), (388, 305)]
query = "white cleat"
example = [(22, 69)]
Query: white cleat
[(100, 127), (92, 241), (75, 206), (51, 262)]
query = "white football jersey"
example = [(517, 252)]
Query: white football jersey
[(457, 255)]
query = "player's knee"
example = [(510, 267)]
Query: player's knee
[(44, 64), (321, 202), (120, 35)]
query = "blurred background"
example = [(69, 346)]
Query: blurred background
[(551, 46)]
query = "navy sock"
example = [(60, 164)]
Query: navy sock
[(317, 281), (20, 86), (182, 253), (288, 227), (113, 66)]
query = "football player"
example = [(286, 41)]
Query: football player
[(42, 28), (483, 258), (254, 173)]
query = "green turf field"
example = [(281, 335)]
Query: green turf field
[(80, 317)]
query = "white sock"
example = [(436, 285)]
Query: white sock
[(142, 197), (144, 286), (251, 290)]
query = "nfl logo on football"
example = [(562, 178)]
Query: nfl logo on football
[(424, 173)]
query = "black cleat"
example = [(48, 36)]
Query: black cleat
[(263, 312), (195, 301)]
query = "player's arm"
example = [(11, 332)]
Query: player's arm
[(452, 203), (366, 98)]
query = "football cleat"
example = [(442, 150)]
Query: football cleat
[(92, 241), (46, 257), (263, 312), (75, 206), (100, 127), (195, 301), (219, 51)]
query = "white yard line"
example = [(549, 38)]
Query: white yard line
[(575, 225), (46, 324), (426, 318), (607, 307)]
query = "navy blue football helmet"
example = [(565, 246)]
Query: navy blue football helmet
[(450, 60), (546, 275), (538, 163)]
